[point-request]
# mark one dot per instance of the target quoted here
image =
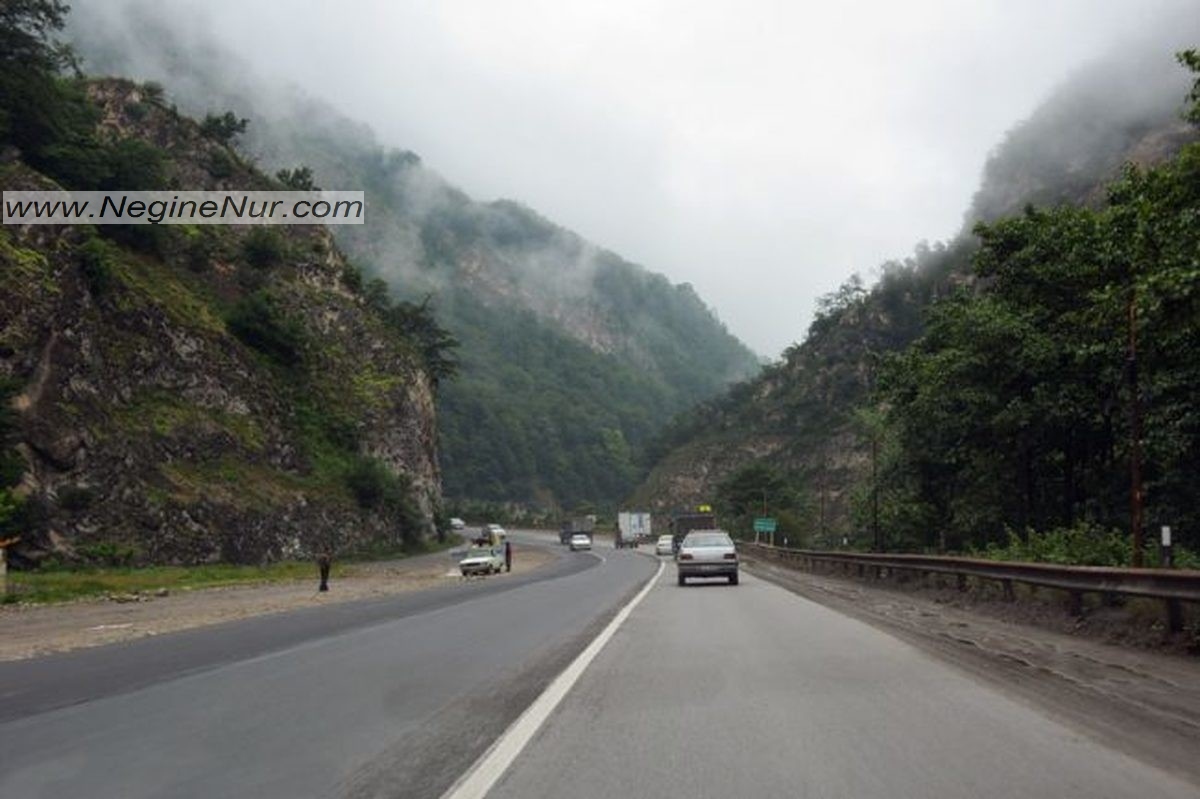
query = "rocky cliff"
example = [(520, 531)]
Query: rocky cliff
[(186, 394)]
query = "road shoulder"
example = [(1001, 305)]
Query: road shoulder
[(28, 631), (1144, 703)]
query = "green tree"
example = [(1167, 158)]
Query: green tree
[(223, 127)]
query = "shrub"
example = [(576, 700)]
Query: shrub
[(378, 488), (259, 322), (109, 554), (134, 165), (263, 247), (221, 164), (96, 260), (223, 127), (298, 179)]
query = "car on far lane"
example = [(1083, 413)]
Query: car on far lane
[(707, 553), (496, 530), (580, 541), (664, 546), (482, 560), (457, 524)]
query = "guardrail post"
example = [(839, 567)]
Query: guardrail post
[(1075, 603), (1174, 616)]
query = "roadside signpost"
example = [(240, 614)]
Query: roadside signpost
[(764, 524)]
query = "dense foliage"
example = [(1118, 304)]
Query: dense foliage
[(1013, 410), (570, 356), (538, 417)]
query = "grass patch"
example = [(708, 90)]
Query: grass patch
[(384, 552), (373, 387), (184, 303), (163, 413), (63, 585), (235, 483)]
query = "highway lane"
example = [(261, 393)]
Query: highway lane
[(717, 691), (362, 699)]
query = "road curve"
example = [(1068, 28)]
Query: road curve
[(392, 697), (717, 691)]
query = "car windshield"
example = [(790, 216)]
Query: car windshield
[(479, 552), (697, 540)]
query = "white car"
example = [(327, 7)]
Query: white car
[(496, 530), (457, 524), (665, 545), (482, 560), (580, 541), (707, 553)]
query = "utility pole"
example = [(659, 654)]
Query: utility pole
[(821, 494), (1135, 434), (875, 491)]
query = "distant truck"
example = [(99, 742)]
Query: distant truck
[(579, 525), (684, 523), (633, 527)]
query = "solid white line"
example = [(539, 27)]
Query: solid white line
[(486, 771)]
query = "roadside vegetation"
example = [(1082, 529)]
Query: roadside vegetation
[(63, 583), (989, 396), (1070, 356)]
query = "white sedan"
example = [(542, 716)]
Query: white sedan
[(580, 541), (665, 545), (482, 560)]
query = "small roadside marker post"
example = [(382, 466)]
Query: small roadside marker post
[(4, 545), (1167, 561)]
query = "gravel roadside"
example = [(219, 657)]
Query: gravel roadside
[(32, 630)]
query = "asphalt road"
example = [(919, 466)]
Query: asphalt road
[(391, 697), (752, 691)]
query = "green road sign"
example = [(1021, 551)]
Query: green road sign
[(764, 525)]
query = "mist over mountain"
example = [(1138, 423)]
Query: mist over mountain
[(799, 436), (1124, 107), (572, 357)]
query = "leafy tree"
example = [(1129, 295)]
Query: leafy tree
[(223, 127), (298, 179), (1013, 410), (1190, 59), (419, 323)]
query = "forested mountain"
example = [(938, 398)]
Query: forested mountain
[(187, 393), (571, 357), (975, 390)]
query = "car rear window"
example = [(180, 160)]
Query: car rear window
[(708, 540)]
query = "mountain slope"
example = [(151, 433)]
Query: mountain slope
[(187, 393), (573, 358), (800, 418)]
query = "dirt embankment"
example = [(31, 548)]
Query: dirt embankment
[(32, 630)]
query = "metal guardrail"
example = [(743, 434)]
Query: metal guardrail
[(1171, 585)]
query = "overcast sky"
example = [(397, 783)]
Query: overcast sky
[(762, 151)]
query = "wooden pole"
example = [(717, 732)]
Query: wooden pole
[(1135, 437)]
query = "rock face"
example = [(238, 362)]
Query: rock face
[(159, 416)]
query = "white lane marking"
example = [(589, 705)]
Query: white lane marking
[(488, 769)]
